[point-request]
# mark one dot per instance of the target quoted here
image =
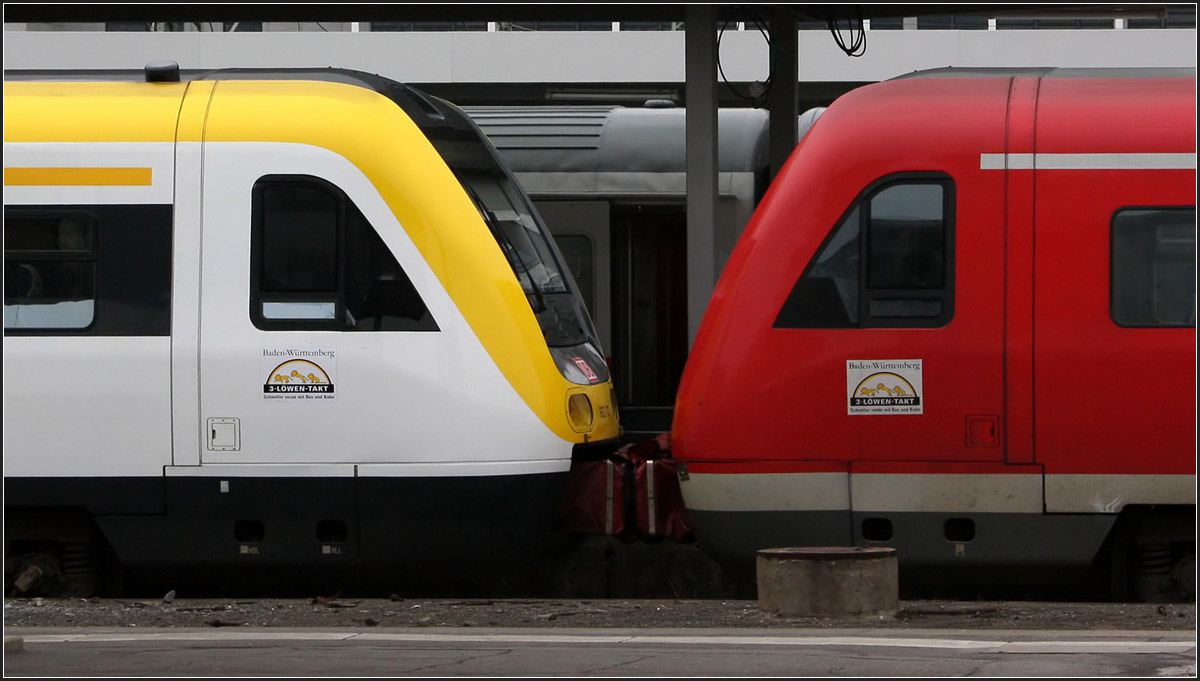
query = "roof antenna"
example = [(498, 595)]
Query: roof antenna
[(162, 72)]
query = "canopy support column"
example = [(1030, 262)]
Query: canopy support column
[(782, 100), (700, 87)]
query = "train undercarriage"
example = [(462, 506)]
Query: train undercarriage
[(1149, 556)]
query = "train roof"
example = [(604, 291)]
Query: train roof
[(1050, 72), (616, 139), (430, 113)]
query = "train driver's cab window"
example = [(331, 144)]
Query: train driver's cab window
[(887, 263), (49, 271), (1154, 267), (318, 264)]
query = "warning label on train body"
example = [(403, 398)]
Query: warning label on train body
[(298, 374), (885, 386)]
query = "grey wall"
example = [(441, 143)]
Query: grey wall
[(583, 57)]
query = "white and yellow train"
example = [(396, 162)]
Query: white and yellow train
[(262, 324)]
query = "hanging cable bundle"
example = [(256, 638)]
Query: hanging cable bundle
[(758, 90), (857, 45)]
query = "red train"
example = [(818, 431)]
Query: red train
[(962, 323)]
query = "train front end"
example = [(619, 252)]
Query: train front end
[(359, 356), (900, 350), (580, 401)]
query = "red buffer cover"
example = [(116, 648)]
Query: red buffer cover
[(594, 498), (660, 510)]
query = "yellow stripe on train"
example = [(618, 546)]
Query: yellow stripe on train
[(78, 177)]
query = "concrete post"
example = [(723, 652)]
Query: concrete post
[(828, 581)]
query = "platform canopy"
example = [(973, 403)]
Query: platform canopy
[(101, 12)]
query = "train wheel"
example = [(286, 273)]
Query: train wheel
[(1183, 573), (1152, 556), (54, 552), (82, 568), (1152, 565), (31, 569)]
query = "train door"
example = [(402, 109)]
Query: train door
[(268, 372), (650, 313), (287, 232), (923, 373)]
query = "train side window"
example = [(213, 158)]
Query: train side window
[(826, 296), (887, 263), (318, 264), (907, 247), (1153, 267), (379, 295), (299, 241), (49, 271)]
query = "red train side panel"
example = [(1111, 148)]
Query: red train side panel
[(961, 323)]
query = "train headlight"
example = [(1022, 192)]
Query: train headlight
[(579, 411)]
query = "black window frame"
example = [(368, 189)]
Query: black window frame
[(1119, 317), (796, 312), (131, 257), (346, 212), (85, 256)]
